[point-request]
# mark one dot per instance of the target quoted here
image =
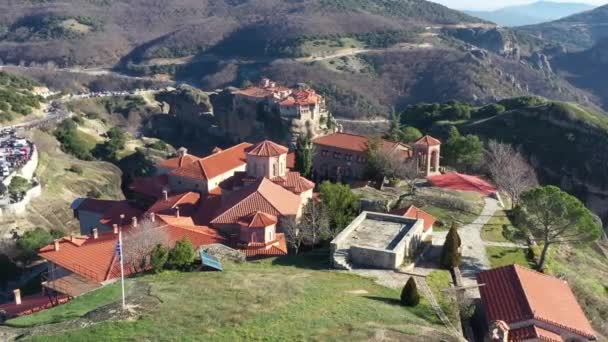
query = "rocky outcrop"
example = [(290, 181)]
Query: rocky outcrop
[(495, 40), (541, 62)]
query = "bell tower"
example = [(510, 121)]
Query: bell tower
[(427, 151)]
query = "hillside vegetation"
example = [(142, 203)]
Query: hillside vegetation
[(576, 32), (63, 178), (16, 97), (84, 32)]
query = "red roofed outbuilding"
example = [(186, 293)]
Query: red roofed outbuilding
[(534, 306), (416, 213)]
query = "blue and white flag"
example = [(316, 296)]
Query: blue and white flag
[(119, 250)]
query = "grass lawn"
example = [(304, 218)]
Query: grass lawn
[(439, 280), (501, 256), (277, 299), (586, 270), (501, 229), (73, 309)]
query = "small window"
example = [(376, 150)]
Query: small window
[(337, 155), (324, 153)]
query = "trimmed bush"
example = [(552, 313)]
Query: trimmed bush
[(409, 294), (158, 258), (182, 255), (450, 254)]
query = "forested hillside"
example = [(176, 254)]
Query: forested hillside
[(16, 97)]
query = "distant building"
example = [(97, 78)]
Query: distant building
[(301, 109), (342, 156), (524, 305)]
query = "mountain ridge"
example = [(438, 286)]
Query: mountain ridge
[(529, 14)]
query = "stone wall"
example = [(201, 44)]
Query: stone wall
[(375, 257), (20, 207)]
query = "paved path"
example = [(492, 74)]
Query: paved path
[(474, 256)]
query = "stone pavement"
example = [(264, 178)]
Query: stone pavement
[(474, 257)]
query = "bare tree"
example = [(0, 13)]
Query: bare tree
[(139, 241), (510, 170), (293, 233), (315, 222), (406, 170)]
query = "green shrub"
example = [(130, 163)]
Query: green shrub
[(158, 145), (158, 258), (182, 255), (29, 243), (450, 254), (409, 294), (77, 169), (94, 193), (18, 187)]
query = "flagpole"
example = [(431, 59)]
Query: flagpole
[(122, 271)]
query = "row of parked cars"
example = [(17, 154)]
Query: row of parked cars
[(14, 152)]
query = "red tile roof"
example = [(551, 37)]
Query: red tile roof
[(185, 201), (150, 186), (267, 148), (428, 140), (459, 181), (184, 228), (514, 294), (416, 213), (109, 209), (301, 97), (257, 250), (294, 182), (262, 92), (31, 304), (263, 195), (359, 143), (179, 161), (215, 164), (533, 332), (258, 220), (95, 259)]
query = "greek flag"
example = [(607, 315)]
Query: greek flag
[(119, 250)]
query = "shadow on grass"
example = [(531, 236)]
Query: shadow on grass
[(386, 300), (317, 259), (422, 310)]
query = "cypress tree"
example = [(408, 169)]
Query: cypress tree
[(409, 294), (450, 255)]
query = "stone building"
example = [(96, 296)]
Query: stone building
[(301, 110), (342, 156)]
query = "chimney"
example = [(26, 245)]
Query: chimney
[(56, 243), (182, 151), (166, 195), (152, 217), (17, 294), (95, 233), (115, 228), (134, 221), (176, 211)]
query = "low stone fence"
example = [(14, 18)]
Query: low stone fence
[(19, 208)]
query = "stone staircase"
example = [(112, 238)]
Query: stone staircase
[(340, 260)]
